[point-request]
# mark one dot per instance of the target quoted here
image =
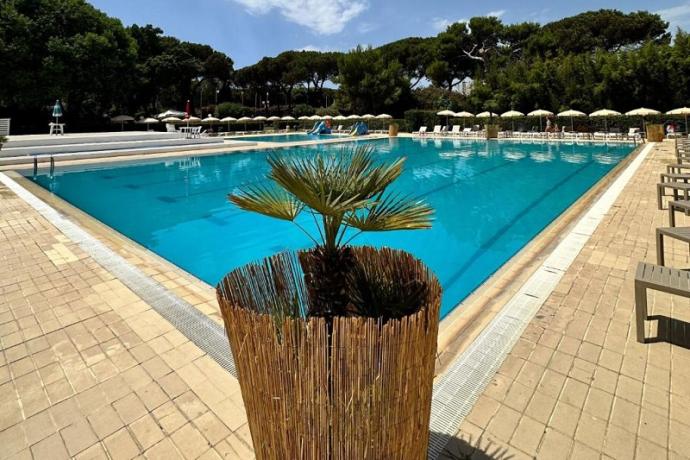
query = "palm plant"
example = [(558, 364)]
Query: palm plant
[(345, 193)]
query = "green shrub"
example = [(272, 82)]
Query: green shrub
[(231, 109), (301, 110)]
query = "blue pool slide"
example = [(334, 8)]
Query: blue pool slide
[(320, 128)]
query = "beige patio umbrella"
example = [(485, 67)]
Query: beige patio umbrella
[(642, 112), (486, 115), (540, 113), (512, 114), (171, 120), (383, 116), (122, 119), (211, 120), (148, 121), (570, 113), (287, 118), (228, 120), (340, 117), (244, 121), (685, 111), (464, 115), (353, 117), (273, 118), (604, 113), (447, 114), (303, 117)]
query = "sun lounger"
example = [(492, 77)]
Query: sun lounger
[(675, 187), (677, 206), (600, 135), (677, 168), (662, 279), (455, 131), (437, 129), (675, 177), (421, 132), (466, 132), (634, 134), (678, 233)]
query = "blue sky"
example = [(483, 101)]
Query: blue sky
[(248, 30)]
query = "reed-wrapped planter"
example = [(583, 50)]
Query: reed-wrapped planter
[(346, 388)]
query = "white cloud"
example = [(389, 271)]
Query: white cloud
[(677, 16), (321, 17), (497, 13), (321, 49), (441, 24)]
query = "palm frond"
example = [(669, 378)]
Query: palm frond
[(269, 201), (393, 212)]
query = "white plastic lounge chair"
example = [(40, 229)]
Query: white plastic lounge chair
[(634, 134), (455, 131), (421, 132), (467, 132), (169, 127), (437, 129)]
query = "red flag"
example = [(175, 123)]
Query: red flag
[(187, 109)]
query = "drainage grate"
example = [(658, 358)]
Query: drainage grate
[(456, 391)]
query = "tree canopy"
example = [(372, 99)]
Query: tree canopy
[(69, 50)]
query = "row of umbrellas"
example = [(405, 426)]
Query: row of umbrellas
[(603, 113)]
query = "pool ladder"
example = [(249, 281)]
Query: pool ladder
[(52, 166)]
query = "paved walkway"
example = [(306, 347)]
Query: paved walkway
[(578, 385), (88, 370)]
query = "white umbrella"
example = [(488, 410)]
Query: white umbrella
[(244, 121), (383, 116), (486, 115), (210, 119), (464, 115), (681, 111), (368, 116), (327, 117), (540, 113), (171, 120), (193, 120), (315, 117), (446, 113), (259, 118), (148, 121), (288, 118), (353, 117), (228, 120), (642, 112), (512, 114), (273, 118), (604, 113), (339, 118), (121, 119), (571, 113), (303, 117)]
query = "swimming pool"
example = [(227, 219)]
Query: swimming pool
[(490, 200), (293, 137)]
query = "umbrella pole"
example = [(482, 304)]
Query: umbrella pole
[(572, 126)]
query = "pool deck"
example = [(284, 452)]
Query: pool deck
[(90, 370), (577, 384)]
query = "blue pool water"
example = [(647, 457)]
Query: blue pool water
[(490, 200), (296, 137)]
